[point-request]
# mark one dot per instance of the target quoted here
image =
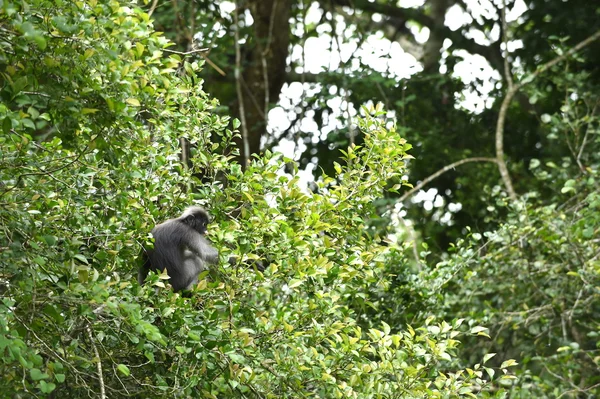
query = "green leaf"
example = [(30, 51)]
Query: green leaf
[(37, 374), (30, 33), (6, 125), (487, 357), (386, 328), (133, 101), (50, 240), (508, 363), (47, 387), (337, 168), (81, 258), (139, 48), (123, 369), (478, 330), (248, 196), (295, 283)]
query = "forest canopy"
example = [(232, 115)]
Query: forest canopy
[(431, 229)]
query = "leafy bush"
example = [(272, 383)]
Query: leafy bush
[(534, 282), (93, 108)]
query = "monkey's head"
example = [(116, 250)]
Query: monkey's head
[(197, 218)]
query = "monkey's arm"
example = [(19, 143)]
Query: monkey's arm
[(204, 250), (144, 266)]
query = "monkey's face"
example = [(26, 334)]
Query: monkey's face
[(198, 222)]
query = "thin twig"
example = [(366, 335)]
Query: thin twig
[(344, 81), (184, 152), (583, 144), (575, 305), (192, 28), (49, 172), (152, 7), (178, 19), (238, 86), (98, 363), (411, 232), (186, 53), (579, 390), (212, 64), (36, 93), (257, 107), (43, 342), (185, 158), (440, 172)]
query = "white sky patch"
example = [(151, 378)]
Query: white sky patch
[(519, 7), (481, 9), (226, 7), (279, 119), (411, 3), (471, 68), (424, 196), (454, 207), (313, 14), (514, 45), (421, 33), (317, 56), (388, 57), (456, 18)]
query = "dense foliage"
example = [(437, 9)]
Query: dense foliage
[(95, 109), (534, 282)]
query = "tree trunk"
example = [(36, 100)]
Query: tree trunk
[(432, 50), (265, 71)]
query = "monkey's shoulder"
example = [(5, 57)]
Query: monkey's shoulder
[(170, 226)]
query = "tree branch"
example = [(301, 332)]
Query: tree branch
[(98, 363), (502, 168), (510, 93), (186, 53), (440, 172), (561, 58), (238, 86), (401, 15), (507, 73), (152, 8)]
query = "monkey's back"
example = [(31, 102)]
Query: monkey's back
[(169, 247)]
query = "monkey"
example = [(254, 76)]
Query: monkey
[(180, 246)]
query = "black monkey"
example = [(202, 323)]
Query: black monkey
[(181, 248)]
